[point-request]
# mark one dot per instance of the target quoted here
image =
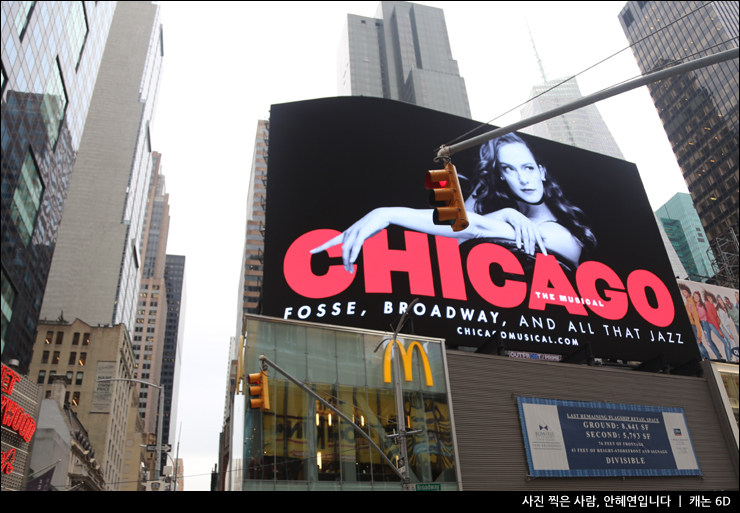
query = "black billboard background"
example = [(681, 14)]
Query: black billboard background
[(334, 160)]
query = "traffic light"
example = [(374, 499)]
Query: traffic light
[(446, 196), (260, 389)]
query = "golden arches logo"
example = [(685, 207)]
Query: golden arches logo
[(407, 357)]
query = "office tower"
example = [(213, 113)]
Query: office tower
[(699, 109), (402, 54), (683, 227), (679, 271), (250, 279), (51, 53), (85, 354), (151, 312), (583, 128), (95, 274), (174, 336)]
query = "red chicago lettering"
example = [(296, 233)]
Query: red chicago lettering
[(640, 280), (480, 259), (615, 302), (379, 261), (450, 268), (297, 267), (547, 270)]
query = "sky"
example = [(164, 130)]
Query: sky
[(226, 63)]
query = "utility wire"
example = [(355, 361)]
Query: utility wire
[(585, 70)]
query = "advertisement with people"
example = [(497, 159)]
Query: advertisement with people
[(713, 313), (562, 252)]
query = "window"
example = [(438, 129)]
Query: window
[(76, 399), (628, 18), (8, 296), (78, 381), (55, 358), (51, 376), (42, 376), (83, 358), (77, 30), (70, 374), (76, 339), (54, 104), (86, 339), (45, 357), (60, 338), (26, 199)]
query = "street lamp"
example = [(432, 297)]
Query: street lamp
[(161, 415)]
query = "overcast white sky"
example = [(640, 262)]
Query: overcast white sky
[(226, 63)]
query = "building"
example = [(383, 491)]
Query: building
[(51, 54), (85, 354), (699, 110), (582, 128), (683, 227), (62, 442), (678, 269), (151, 317), (403, 53), (96, 271), (174, 337)]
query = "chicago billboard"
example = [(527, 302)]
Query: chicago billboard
[(562, 248)]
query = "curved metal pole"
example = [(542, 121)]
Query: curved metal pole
[(593, 98)]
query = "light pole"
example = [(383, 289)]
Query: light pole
[(158, 463)]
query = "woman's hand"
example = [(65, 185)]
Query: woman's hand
[(354, 236), (526, 233)]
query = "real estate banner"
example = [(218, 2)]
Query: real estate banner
[(586, 439)]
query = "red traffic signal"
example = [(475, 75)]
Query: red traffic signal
[(446, 196), (260, 389)]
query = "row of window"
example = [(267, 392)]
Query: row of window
[(42, 378), (73, 360), (60, 338)]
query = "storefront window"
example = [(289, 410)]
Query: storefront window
[(300, 444)]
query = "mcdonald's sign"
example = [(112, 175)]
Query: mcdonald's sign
[(406, 357)]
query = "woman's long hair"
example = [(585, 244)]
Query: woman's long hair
[(493, 193)]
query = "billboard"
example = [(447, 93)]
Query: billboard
[(562, 251), (588, 439), (713, 313)]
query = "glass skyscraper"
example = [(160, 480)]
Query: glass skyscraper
[(96, 271), (51, 55), (699, 110), (402, 54), (582, 128), (684, 229)]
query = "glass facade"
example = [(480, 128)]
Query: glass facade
[(51, 54), (299, 444), (699, 110), (582, 128), (684, 229)]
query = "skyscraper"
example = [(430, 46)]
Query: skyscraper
[(174, 336), (684, 229), (151, 312), (402, 54), (95, 274), (699, 110), (583, 128), (51, 54)]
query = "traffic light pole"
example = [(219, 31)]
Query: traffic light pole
[(344, 417), (446, 151)]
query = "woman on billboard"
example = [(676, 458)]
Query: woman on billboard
[(707, 327), (514, 200)]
